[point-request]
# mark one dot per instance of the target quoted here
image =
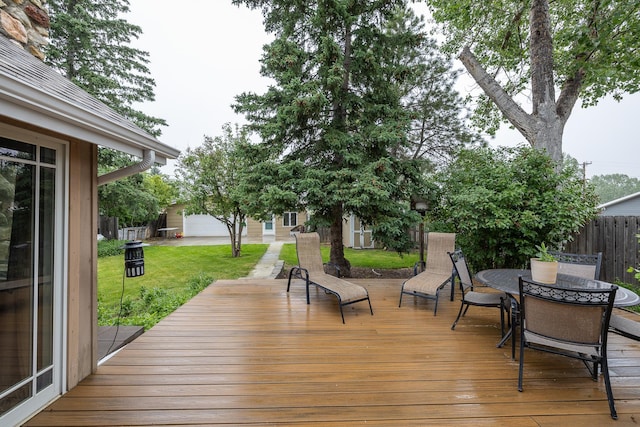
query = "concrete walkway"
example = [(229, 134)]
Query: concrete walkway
[(270, 265)]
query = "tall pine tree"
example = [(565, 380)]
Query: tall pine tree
[(333, 121), (90, 45)]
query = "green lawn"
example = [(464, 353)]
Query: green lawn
[(368, 258), (173, 274)]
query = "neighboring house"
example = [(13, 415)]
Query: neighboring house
[(195, 225), (624, 206), (279, 228), (50, 131)]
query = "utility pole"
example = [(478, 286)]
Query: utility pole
[(584, 173)]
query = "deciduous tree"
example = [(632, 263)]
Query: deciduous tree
[(613, 186), (526, 50), (210, 181)]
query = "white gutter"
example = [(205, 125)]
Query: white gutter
[(146, 163)]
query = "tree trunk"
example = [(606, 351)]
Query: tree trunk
[(240, 222), (339, 120), (231, 228), (337, 249), (544, 127), (548, 125)]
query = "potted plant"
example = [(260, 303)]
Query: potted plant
[(544, 268)]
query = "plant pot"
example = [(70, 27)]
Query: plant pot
[(544, 271)]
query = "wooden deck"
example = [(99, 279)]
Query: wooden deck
[(245, 353)]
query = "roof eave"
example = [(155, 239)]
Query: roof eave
[(25, 104)]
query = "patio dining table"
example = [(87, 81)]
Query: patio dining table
[(507, 280)]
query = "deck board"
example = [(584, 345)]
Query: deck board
[(247, 353)]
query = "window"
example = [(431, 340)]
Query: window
[(290, 219)]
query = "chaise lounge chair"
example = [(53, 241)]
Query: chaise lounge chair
[(311, 269), (438, 271)]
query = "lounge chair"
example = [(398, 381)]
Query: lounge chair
[(626, 327), (311, 269), (438, 270)]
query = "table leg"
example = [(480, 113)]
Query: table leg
[(509, 334)]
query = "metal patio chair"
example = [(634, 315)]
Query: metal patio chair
[(587, 266), (571, 322), (470, 297)]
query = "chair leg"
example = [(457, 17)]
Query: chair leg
[(501, 318), (289, 282), (514, 324), (521, 366), (401, 292), (458, 318), (607, 385), (465, 310)]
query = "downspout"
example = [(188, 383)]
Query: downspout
[(148, 158)]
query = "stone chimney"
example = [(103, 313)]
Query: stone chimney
[(26, 23)]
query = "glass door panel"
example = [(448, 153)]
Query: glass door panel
[(28, 329), (16, 276)]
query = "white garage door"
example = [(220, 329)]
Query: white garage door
[(203, 226)]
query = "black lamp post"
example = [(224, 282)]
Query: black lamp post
[(421, 207)]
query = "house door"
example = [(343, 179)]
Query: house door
[(31, 254), (268, 228), (361, 235)]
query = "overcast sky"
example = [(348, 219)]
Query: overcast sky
[(205, 54)]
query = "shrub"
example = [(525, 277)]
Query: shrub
[(110, 248), (503, 202), (152, 304)]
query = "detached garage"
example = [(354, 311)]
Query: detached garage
[(195, 225), (203, 226)]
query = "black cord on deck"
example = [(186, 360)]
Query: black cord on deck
[(119, 313)]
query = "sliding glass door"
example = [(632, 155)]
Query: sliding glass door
[(31, 203)]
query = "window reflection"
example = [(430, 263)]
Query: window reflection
[(16, 149), (27, 239), (16, 290)]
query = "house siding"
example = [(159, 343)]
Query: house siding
[(283, 232), (630, 207), (82, 291), (174, 218), (254, 229)]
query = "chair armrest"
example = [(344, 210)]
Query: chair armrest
[(298, 272)]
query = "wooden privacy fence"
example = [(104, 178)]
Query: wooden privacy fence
[(108, 227), (615, 237)]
